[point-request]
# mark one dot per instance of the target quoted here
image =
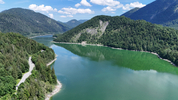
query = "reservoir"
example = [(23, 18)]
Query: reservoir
[(103, 73)]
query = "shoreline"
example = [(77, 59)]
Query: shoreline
[(39, 36), (83, 44), (52, 61), (55, 91), (57, 87)]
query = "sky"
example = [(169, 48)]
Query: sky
[(65, 10)]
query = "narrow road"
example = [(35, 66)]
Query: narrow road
[(26, 75)]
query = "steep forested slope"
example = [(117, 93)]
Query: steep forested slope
[(28, 23), (122, 32), (14, 53)]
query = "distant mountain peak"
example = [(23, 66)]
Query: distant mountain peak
[(160, 12), (73, 23)]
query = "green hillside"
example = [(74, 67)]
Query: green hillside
[(122, 32), (15, 50), (29, 23)]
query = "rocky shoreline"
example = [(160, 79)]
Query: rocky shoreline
[(55, 91), (57, 87)]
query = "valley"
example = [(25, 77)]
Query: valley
[(88, 50)]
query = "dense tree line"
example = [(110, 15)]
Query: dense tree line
[(129, 34), (172, 24), (14, 54)]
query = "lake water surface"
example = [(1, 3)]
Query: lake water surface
[(102, 73)]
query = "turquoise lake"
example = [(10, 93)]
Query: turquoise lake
[(102, 73)]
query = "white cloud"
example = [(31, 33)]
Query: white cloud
[(137, 4), (2, 2), (51, 15), (84, 3), (133, 5), (72, 11), (55, 9), (70, 16), (77, 5), (41, 8), (63, 16), (108, 9), (66, 16), (111, 3), (63, 12)]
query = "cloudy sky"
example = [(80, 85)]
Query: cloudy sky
[(65, 10)]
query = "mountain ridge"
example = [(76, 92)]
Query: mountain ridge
[(162, 12), (28, 23)]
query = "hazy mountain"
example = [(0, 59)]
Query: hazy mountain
[(163, 12), (82, 21), (73, 23), (28, 23)]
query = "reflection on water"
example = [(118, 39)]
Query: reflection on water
[(100, 73), (129, 59)]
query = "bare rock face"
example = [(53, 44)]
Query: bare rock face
[(98, 31)]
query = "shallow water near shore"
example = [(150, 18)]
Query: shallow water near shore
[(102, 73)]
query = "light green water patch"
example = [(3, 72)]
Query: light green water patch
[(134, 60)]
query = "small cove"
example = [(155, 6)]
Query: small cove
[(101, 73)]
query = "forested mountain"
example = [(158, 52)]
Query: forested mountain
[(122, 32), (163, 12), (28, 23), (15, 50)]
